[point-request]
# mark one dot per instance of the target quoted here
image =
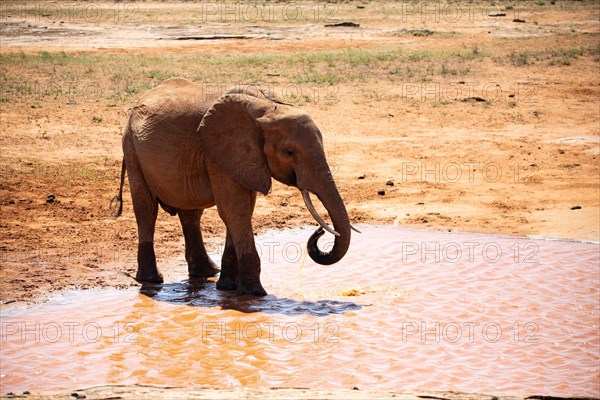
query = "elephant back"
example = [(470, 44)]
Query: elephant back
[(176, 104)]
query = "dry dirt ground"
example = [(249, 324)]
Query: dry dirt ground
[(434, 117)]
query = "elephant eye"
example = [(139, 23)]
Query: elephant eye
[(290, 152)]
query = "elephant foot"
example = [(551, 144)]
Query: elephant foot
[(147, 278), (226, 283), (204, 269), (147, 270), (254, 289)]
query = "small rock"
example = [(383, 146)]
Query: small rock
[(475, 99), (361, 177), (420, 204), (389, 183), (518, 20), (344, 23), (561, 152), (50, 198), (571, 166), (360, 6), (381, 192), (283, 204), (576, 208)]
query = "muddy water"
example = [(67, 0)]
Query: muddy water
[(404, 310)]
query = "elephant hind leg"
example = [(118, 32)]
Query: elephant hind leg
[(199, 263), (145, 207)]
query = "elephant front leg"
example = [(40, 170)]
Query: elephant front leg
[(229, 267), (242, 238), (235, 204), (198, 260), (249, 275)]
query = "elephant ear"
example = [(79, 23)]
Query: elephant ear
[(233, 140)]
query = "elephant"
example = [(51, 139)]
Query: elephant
[(186, 151)]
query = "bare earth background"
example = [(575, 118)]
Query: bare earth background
[(480, 123)]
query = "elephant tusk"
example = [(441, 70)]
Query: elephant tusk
[(316, 216), (354, 229)]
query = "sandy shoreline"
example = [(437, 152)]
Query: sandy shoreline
[(143, 392)]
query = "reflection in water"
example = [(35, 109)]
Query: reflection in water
[(203, 293), (404, 310)]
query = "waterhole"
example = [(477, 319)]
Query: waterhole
[(404, 309)]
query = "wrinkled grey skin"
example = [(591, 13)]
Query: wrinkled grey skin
[(188, 152)]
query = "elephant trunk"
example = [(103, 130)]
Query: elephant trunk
[(332, 201)]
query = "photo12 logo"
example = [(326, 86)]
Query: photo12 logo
[(522, 252), (438, 92), (468, 332), (69, 12), (254, 12), (290, 332), (466, 12), (466, 172), (68, 331)]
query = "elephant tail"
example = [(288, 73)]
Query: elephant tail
[(116, 204)]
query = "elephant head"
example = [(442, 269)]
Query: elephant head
[(254, 137)]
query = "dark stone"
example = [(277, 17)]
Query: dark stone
[(345, 23), (474, 99)]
